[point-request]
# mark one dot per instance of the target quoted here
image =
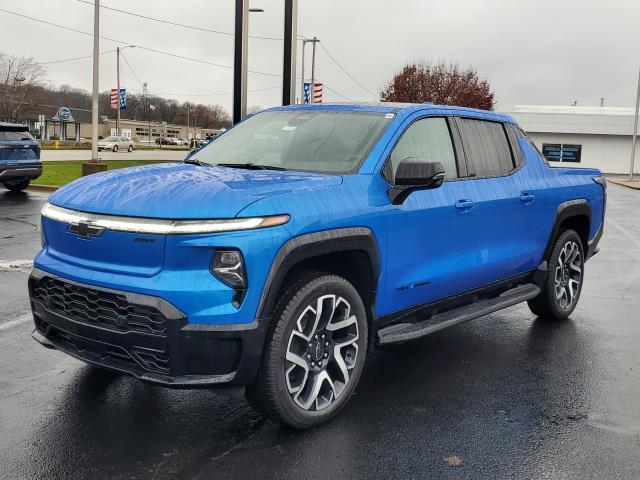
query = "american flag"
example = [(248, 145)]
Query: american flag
[(152, 107), (317, 93), (114, 98)]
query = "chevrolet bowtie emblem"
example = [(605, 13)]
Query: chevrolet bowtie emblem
[(85, 230)]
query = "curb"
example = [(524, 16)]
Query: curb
[(624, 183), (43, 188)]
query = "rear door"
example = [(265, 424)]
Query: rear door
[(504, 207)]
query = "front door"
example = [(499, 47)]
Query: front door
[(432, 235)]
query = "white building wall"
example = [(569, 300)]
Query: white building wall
[(609, 153)]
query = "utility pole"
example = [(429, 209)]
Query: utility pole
[(188, 111), (635, 131), (96, 73)]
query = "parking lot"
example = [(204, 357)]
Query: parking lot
[(164, 154), (505, 396)]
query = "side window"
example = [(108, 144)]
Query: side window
[(427, 139), (486, 148), (514, 133)]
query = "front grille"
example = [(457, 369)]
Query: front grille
[(97, 307)]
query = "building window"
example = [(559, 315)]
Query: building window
[(556, 152)]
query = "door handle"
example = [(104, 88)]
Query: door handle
[(527, 198), (465, 205)]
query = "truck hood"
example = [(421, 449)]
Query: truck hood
[(181, 191)]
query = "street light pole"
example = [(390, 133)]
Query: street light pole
[(118, 91), (304, 44), (635, 131), (313, 69), (96, 66)]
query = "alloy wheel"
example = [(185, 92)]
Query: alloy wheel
[(321, 352), (568, 274)]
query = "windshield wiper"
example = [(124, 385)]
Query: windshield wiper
[(251, 166), (195, 161)]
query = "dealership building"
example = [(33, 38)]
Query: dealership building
[(589, 137)]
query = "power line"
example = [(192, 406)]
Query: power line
[(73, 59), (131, 69), (337, 93), (153, 50), (345, 72), (167, 22), (214, 94)]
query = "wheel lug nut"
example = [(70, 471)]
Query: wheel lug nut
[(326, 344), (316, 337), (309, 356), (326, 355), (323, 336), (313, 364)]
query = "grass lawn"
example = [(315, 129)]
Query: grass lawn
[(61, 173)]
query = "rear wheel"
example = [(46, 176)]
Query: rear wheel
[(561, 289), (314, 354), (115, 148), (130, 149), (17, 186)]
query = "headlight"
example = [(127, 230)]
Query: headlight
[(228, 266), (160, 226)]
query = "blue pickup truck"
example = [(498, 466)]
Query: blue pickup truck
[(19, 157), (273, 259)]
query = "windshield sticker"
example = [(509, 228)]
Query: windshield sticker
[(390, 115), (288, 128)]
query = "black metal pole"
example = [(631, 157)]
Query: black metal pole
[(288, 72), (238, 57)]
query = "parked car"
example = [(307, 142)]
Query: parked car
[(179, 141), (165, 141), (273, 259), (116, 144), (19, 157)]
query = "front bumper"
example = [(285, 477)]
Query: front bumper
[(21, 171), (143, 336)]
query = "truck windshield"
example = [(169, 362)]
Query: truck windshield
[(327, 141)]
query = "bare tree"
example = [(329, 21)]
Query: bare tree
[(18, 75), (441, 83)]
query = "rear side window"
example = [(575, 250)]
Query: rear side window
[(427, 139), (14, 136), (486, 148)]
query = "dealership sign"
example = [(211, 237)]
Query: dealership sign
[(63, 115)]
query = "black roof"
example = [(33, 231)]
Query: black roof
[(17, 127)]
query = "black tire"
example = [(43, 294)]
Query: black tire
[(115, 148), (17, 186), (562, 279), (130, 149), (340, 346)]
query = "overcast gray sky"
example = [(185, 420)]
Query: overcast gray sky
[(531, 51)]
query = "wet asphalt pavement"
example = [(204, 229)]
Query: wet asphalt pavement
[(505, 396)]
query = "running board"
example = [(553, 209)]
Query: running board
[(410, 331)]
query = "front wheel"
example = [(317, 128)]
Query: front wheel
[(314, 354), (561, 289), (115, 148), (130, 149), (17, 186)]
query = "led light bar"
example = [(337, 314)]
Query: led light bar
[(159, 226)]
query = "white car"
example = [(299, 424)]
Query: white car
[(179, 141), (115, 144)]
